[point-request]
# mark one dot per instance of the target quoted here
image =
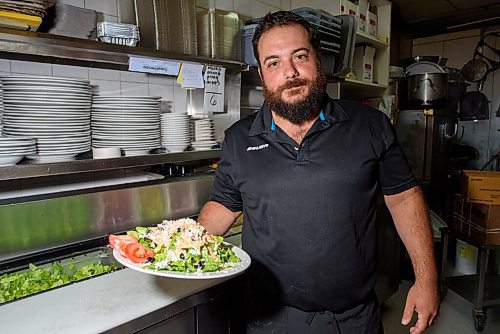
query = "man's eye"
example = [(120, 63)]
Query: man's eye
[(272, 64), (301, 57)]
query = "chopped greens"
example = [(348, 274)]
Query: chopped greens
[(21, 284), (183, 245)]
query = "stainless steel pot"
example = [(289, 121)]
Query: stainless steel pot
[(427, 89)]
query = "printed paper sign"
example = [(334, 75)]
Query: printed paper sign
[(157, 66), (213, 101)]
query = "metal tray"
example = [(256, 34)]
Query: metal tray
[(71, 263)]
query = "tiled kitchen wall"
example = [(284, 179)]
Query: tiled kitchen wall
[(459, 48)]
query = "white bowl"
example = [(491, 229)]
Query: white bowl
[(175, 148), (106, 152), (10, 159)]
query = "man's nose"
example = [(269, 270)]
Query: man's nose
[(289, 70)]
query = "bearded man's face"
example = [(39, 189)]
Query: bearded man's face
[(294, 84)]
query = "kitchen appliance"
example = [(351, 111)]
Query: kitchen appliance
[(474, 106), (427, 89), (426, 124), (478, 68)]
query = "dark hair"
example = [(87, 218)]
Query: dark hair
[(284, 18)]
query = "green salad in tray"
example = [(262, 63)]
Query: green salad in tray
[(36, 279), (181, 245)]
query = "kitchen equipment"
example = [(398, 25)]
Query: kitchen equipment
[(218, 34), (441, 61), (477, 69), (71, 21), (118, 33), (457, 87), (422, 67), (167, 25), (474, 106), (427, 89)]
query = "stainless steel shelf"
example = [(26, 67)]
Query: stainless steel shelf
[(42, 47), (27, 170)]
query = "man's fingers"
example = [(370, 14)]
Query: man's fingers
[(421, 325), (407, 314)]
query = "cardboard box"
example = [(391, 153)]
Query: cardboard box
[(361, 13), (372, 24), (479, 222), (363, 62), (343, 7), (352, 9), (482, 187)]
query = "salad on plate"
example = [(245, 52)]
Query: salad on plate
[(182, 246)]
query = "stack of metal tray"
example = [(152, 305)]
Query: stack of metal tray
[(218, 34), (167, 25)]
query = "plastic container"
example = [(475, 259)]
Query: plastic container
[(466, 258), (246, 43), (319, 18)]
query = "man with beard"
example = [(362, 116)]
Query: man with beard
[(306, 170)]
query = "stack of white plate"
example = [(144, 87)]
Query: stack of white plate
[(13, 150), (175, 131), (131, 123), (53, 110), (203, 134), (1, 106)]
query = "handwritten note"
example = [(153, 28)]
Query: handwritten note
[(213, 101), (157, 66), (191, 76)]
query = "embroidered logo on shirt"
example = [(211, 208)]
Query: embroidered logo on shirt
[(256, 148)]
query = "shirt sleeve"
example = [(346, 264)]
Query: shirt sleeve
[(395, 173), (224, 190)]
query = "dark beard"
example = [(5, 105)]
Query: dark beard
[(301, 111)]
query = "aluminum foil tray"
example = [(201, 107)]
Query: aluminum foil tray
[(118, 33)]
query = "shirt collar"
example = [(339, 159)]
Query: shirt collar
[(332, 113)]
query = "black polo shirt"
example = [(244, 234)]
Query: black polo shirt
[(309, 221)]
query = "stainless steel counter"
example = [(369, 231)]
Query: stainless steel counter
[(108, 303)]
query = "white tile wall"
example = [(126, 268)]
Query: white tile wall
[(134, 77), (225, 5), (104, 74), (134, 89), (27, 67), (459, 51), (70, 71), (5, 65), (108, 7)]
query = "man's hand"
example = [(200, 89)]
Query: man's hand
[(424, 300)]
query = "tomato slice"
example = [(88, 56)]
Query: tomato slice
[(119, 242), (137, 253)]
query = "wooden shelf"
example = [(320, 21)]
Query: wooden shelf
[(364, 38), (352, 83)]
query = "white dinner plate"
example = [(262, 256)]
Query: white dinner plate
[(238, 267)]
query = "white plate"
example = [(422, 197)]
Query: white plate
[(49, 104), (126, 98), (238, 267), (42, 79)]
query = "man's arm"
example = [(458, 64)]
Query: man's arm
[(411, 218), (216, 218)]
